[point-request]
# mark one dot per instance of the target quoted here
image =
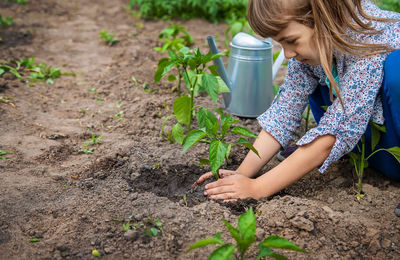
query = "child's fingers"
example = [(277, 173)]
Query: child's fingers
[(202, 179)]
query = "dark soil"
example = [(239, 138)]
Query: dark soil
[(75, 202)]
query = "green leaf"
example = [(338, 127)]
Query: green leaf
[(164, 66), (216, 154), (209, 121), (172, 78), (224, 252), (34, 240), (177, 132), (192, 138), (222, 87), (376, 134), (183, 110), (234, 232), (243, 131), (247, 144), (395, 151), (228, 151), (226, 122), (280, 243), (247, 225), (267, 252), (216, 239), (247, 230), (210, 83)]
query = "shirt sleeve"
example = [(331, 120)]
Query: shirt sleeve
[(283, 117), (359, 87)]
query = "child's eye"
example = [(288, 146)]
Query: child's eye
[(291, 41)]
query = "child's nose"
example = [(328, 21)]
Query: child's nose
[(289, 53)]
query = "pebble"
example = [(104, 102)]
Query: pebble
[(397, 211), (109, 250)]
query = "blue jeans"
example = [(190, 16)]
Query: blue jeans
[(382, 161)]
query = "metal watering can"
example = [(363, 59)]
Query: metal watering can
[(250, 74)]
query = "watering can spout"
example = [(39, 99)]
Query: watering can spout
[(278, 62), (221, 70)]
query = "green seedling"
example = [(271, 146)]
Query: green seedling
[(174, 37), (214, 132), (38, 72), (197, 76), (245, 236), (126, 226), (147, 89), (235, 27), (119, 115), (92, 90), (21, 2), (118, 104), (360, 161), (85, 150), (6, 22), (108, 37), (156, 229), (93, 141), (99, 99), (34, 240), (2, 153), (82, 111), (134, 80), (117, 219)]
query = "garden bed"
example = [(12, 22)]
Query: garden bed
[(74, 202)]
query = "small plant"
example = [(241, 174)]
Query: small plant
[(85, 150), (93, 141), (192, 66), (108, 37), (38, 72), (151, 227), (5, 22), (360, 161), (245, 236), (34, 240), (170, 39), (2, 153), (214, 132), (119, 115)]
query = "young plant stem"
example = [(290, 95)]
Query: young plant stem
[(360, 172), (179, 81), (308, 117)]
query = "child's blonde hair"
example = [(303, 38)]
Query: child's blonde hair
[(330, 20)]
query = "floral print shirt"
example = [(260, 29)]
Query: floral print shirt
[(360, 81)]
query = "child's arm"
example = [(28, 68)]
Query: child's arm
[(302, 161)]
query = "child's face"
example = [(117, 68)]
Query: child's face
[(298, 42)]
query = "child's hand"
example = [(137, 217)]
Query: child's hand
[(230, 187), (208, 175)]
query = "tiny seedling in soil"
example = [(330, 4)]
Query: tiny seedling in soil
[(245, 236), (94, 140), (151, 227), (134, 80), (85, 150), (34, 240), (2, 153), (108, 37), (119, 115)]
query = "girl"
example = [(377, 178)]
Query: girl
[(342, 54)]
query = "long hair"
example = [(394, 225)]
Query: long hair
[(330, 20)]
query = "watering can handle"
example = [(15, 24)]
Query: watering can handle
[(278, 63)]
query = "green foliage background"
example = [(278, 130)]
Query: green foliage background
[(213, 10), (392, 5)]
